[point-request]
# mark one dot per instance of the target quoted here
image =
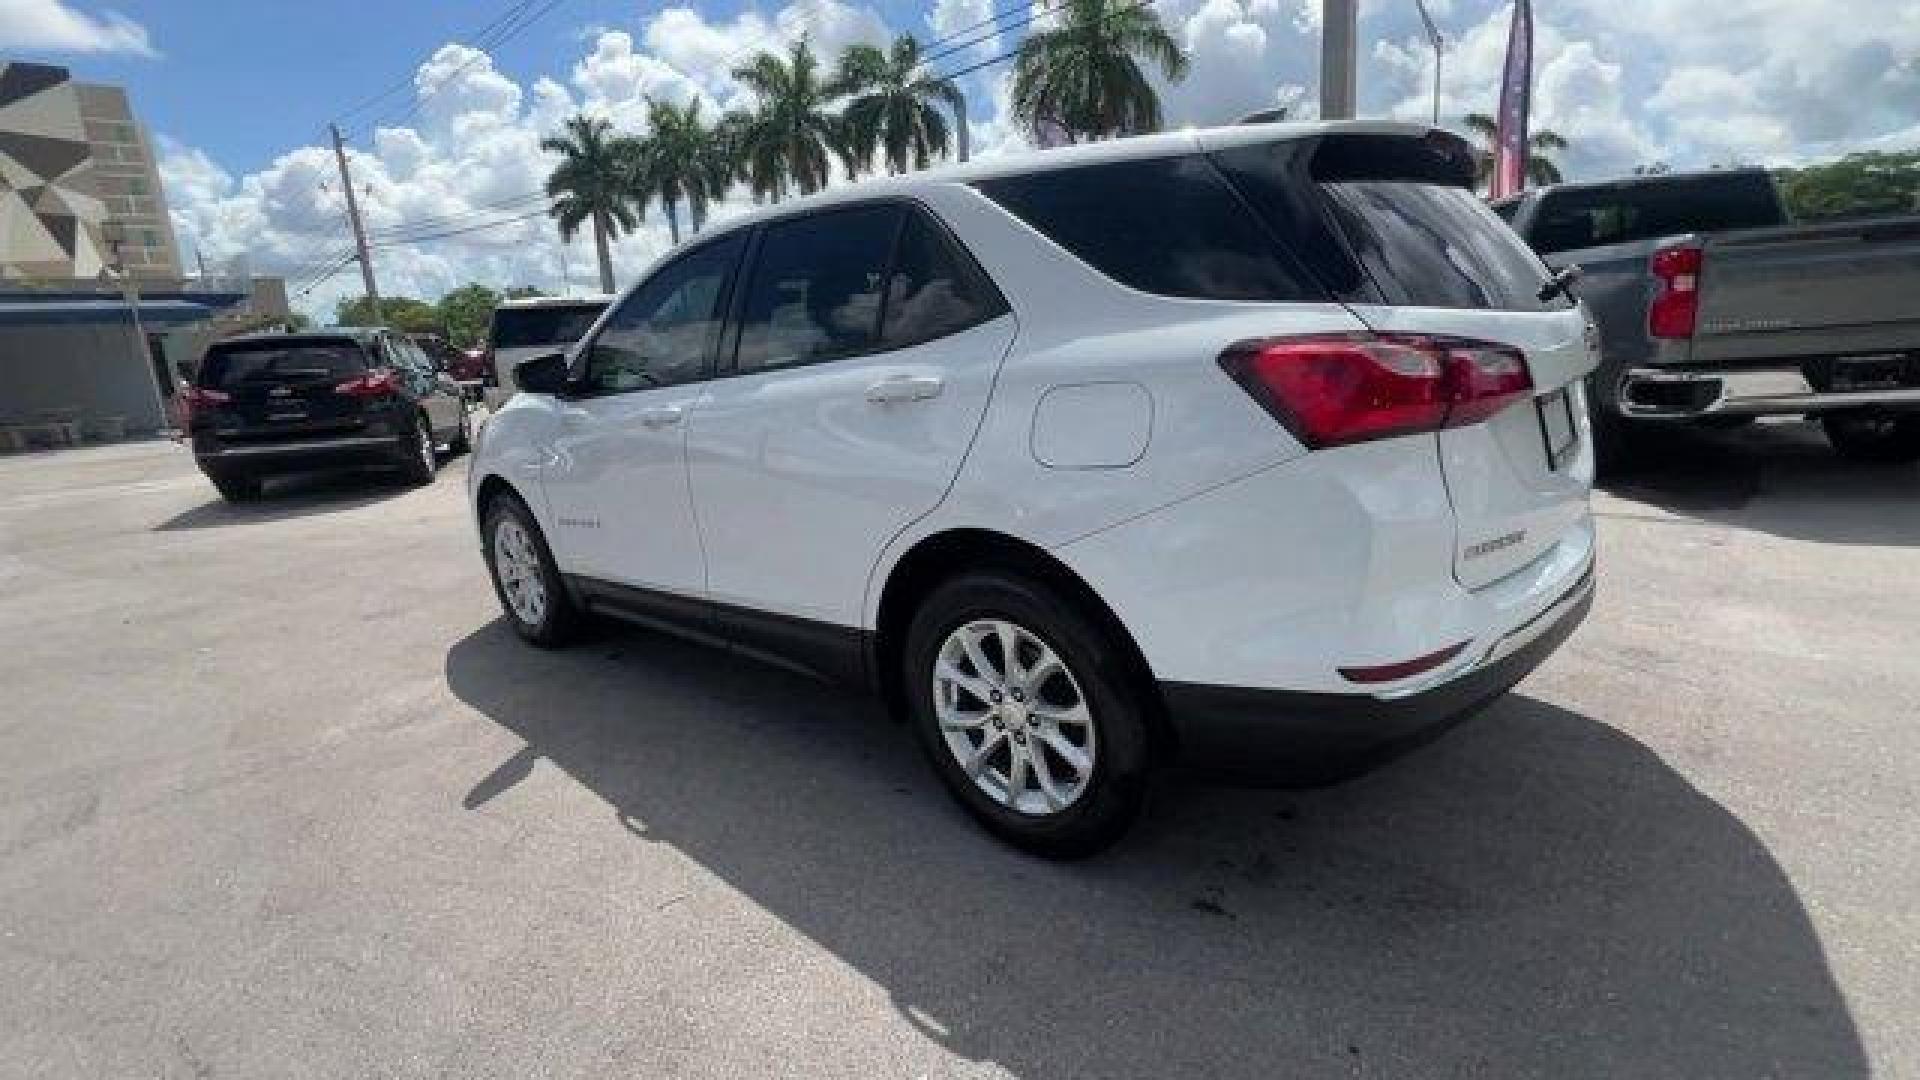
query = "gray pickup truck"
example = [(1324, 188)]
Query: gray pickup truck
[(1712, 308)]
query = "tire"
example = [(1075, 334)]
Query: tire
[(525, 563), (463, 436), (1074, 811), (421, 461), (236, 489), (1883, 438)]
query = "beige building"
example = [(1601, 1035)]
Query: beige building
[(78, 182)]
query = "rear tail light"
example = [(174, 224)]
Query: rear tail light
[(199, 397), (1340, 389), (378, 382), (1676, 307)]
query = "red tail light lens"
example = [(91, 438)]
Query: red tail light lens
[(378, 382), (1676, 307), (199, 397), (1336, 390)]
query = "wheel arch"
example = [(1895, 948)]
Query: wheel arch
[(934, 558)]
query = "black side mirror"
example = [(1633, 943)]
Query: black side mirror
[(543, 374)]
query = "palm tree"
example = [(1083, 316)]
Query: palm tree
[(680, 160), (591, 183), (789, 135), (893, 105), (1541, 169), (1084, 74)]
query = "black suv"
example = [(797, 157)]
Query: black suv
[(334, 399)]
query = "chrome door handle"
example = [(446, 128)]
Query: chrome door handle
[(662, 416), (914, 388)]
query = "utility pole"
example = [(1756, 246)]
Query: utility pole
[(115, 234), (1439, 44), (1339, 31), (353, 216)]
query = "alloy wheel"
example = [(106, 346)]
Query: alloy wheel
[(1014, 717), (521, 575)]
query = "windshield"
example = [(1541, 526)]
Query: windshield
[(235, 366), (532, 327)]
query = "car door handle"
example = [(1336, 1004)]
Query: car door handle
[(912, 388), (662, 416)]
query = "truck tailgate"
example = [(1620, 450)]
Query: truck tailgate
[(1804, 290)]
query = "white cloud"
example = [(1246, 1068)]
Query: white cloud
[(59, 27)]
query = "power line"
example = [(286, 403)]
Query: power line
[(406, 80), (1033, 12), (509, 31), (459, 217), (408, 241)]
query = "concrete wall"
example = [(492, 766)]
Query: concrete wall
[(90, 368)]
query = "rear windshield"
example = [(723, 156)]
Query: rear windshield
[(1170, 226), (532, 327), (1597, 217), (229, 367), (1430, 246)]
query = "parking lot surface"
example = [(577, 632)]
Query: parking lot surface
[(280, 796)]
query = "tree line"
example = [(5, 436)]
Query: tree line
[(1082, 78)]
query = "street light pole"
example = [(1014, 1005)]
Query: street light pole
[(115, 235), (1438, 43), (1339, 32)]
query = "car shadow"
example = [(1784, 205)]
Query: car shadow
[(1536, 894), (298, 495), (1778, 478)]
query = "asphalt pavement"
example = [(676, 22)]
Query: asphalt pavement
[(281, 797)]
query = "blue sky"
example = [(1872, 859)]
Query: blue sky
[(238, 96)]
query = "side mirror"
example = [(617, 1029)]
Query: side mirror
[(543, 374)]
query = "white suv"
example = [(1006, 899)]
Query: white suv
[(1261, 447)]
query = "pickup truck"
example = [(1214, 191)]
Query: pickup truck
[(1712, 308)]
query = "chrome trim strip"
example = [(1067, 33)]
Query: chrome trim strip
[(297, 447), (1519, 637)]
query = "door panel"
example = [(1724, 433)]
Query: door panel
[(800, 478), (616, 474)]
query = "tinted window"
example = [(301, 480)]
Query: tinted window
[(664, 332), (934, 288), (1431, 246), (532, 327), (228, 367), (815, 290), (1596, 217), (1170, 226)]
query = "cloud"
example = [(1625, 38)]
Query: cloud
[(1626, 83), (55, 26)]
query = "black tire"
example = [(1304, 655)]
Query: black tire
[(463, 435), (236, 488), (421, 463), (1882, 438), (1116, 785), (1614, 449), (560, 619)]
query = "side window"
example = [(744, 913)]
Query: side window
[(1169, 226), (815, 289), (934, 289), (663, 333)]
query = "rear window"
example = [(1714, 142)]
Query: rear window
[(1169, 226), (1597, 217), (1425, 245), (533, 327), (1389, 220), (231, 367)]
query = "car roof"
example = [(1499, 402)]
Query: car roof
[(555, 301), (332, 335), (1022, 163), (1651, 180)]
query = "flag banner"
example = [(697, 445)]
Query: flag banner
[(1516, 101)]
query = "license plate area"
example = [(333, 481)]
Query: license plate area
[(1557, 431)]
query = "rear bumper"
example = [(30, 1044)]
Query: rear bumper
[(1657, 392), (356, 452), (1262, 732)]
